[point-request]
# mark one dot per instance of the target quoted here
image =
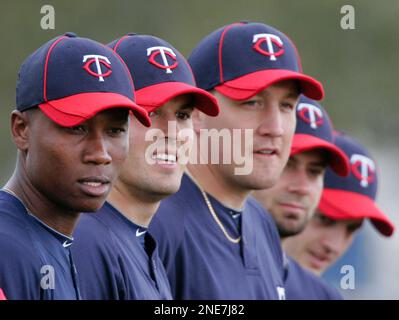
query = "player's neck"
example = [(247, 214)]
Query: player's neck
[(213, 183), (289, 244), (136, 208), (63, 221)]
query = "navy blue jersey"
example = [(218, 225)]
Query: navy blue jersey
[(202, 263), (301, 284), (113, 261), (35, 260)]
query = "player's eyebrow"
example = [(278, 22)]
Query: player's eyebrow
[(314, 163), (319, 163), (355, 225), (293, 92), (187, 106), (292, 95), (292, 159), (190, 104)]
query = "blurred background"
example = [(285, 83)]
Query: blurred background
[(356, 67)]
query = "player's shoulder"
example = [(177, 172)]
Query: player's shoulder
[(20, 267), (15, 228), (17, 247), (303, 284), (12, 212)]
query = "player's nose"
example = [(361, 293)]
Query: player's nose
[(333, 240), (271, 121), (96, 150), (300, 183)]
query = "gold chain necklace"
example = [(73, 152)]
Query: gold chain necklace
[(213, 213), (220, 224)]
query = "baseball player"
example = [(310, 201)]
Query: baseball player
[(215, 241), (116, 256), (70, 127), (294, 198), (344, 204)]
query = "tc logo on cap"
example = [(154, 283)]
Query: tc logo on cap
[(367, 169), (98, 60), (270, 39), (311, 114), (164, 52)]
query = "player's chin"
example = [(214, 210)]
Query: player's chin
[(92, 209), (90, 205), (316, 270), (288, 229), (172, 177), (261, 181), (266, 177), (166, 190)]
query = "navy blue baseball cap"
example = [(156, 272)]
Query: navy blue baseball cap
[(160, 73), (241, 59), (71, 79), (314, 130), (354, 196)]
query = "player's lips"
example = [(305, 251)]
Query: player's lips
[(95, 186), (318, 260), (266, 152), (293, 207), (168, 158)]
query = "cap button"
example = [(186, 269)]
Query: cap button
[(132, 34), (70, 34)]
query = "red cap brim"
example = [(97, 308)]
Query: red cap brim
[(73, 110), (341, 204), (250, 84), (339, 161), (153, 97)]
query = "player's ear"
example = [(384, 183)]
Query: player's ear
[(198, 118), (20, 129)]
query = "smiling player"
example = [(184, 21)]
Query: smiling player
[(116, 256)]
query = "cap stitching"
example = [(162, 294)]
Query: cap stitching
[(46, 66)]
